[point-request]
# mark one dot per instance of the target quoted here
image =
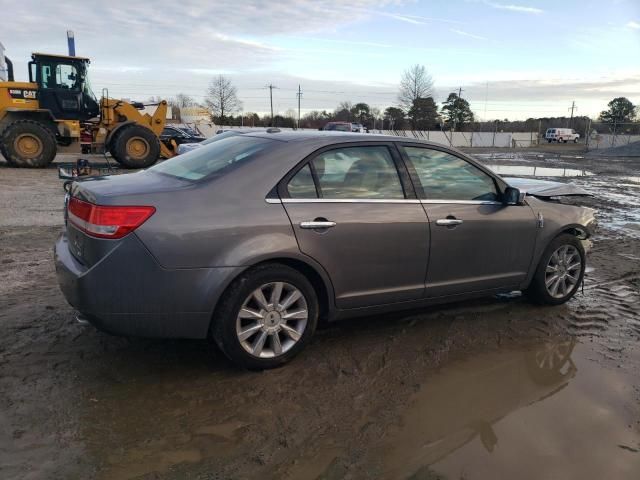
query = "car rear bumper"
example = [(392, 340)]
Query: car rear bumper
[(128, 293)]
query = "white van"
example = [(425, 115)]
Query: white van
[(561, 135)]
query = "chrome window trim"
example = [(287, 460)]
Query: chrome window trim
[(381, 200), (348, 200)]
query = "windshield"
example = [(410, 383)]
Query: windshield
[(219, 136), (216, 159)]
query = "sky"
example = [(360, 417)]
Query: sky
[(512, 58)]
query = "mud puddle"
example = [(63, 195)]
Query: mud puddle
[(543, 412)]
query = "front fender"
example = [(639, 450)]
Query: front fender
[(557, 218)]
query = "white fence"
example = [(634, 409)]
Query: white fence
[(454, 139), (609, 140)]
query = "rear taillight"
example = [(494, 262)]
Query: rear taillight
[(107, 221)]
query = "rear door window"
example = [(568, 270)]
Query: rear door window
[(302, 184), (367, 172), (444, 176)]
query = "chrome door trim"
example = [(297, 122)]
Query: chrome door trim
[(461, 202)]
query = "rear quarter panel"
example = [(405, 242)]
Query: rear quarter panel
[(226, 221)]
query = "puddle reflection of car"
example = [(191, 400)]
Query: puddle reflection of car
[(252, 239), (463, 401)]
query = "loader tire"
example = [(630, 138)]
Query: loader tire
[(28, 144), (4, 154), (136, 146)]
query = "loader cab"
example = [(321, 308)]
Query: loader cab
[(63, 86)]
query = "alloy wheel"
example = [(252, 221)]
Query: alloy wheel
[(563, 271), (272, 320)]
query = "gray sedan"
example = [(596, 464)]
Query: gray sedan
[(255, 238)]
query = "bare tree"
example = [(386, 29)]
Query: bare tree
[(183, 100), (222, 97), (415, 83)]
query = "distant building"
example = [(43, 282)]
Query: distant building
[(195, 115)]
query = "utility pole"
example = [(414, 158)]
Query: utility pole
[(572, 108), (271, 87), (460, 92), (299, 95)]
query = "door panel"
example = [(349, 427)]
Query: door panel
[(491, 248), (477, 242), (375, 254), (349, 209)]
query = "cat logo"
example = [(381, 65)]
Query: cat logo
[(18, 94)]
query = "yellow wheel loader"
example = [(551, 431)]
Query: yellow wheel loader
[(57, 107)]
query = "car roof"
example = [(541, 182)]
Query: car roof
[(331, 137)]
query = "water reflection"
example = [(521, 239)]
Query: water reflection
[(529, 171), (464, 401)]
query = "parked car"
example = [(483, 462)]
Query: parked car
[(220, 134), (561, 135), (339, 127), (254, 238), (179, 135), (357, 128)]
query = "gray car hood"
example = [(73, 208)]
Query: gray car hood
[(545, 188)]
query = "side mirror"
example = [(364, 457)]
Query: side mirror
[(513, 196)]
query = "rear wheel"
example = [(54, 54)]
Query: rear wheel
[(266, 317), (135, 147), (560, 271), (29, 144)]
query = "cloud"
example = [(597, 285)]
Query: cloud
[(634, 25), (467, 34), (417, 19), (515, 8)]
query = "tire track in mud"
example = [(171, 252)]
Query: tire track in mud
[(604, 306)]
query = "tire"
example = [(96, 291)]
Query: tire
[(135, 146), (575, 140), (538, 290), (4, 154), (267, 333), (112, 143), (549, 140), (28, 144)]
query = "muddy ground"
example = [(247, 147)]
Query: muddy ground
[(496, 388)]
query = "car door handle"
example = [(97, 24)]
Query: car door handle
[(315, 224), (448, 222)]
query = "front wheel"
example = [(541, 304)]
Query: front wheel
[(560, 271), (575, 140), (135, 146), (266, 317)]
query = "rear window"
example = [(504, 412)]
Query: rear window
[(215, 159)]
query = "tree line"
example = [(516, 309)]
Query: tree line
[(416, 109)]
